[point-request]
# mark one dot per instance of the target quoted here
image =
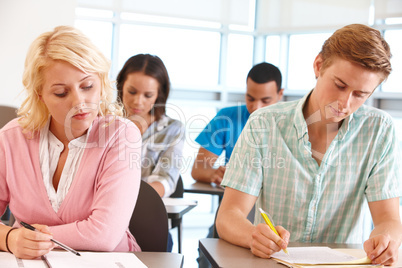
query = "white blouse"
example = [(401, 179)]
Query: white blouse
[(50, 149)]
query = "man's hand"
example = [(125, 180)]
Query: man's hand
[(385, 239), (265, 242), (382, 249), (217, 175), (203, 168)]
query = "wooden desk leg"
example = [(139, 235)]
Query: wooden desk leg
[(179, 230)]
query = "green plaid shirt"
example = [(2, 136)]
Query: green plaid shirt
[(273, 160)]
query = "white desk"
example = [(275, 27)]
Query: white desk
[(150, 259)]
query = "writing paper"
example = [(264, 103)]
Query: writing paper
[(317, 255), (8, 260), (60, 259)]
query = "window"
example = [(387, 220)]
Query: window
[(209, 59), (273, 50), (303, 48), (394, 39), (191, 56), (100, 32), (239, 60)]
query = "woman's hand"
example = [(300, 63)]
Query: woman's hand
[(265, 242), (28, 244)]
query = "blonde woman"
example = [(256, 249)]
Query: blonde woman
[(66, 162)]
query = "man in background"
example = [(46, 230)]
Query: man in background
[(264, 82)]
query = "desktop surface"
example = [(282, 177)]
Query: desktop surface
[(223, 254), (62, 258), (161, 259), (204, 188)]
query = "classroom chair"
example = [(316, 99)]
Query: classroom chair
[(149, 222), (7, 113), (179, 189)]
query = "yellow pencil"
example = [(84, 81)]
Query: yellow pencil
[(270, 223)]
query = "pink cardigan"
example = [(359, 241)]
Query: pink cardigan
[(97, 209)]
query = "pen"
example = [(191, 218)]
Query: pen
[(30, 227), (270, 223), (43, 257)]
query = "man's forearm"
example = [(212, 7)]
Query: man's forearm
[(234, 228), (391, 228), (202, 173)]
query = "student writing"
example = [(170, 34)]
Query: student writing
[(333, 154)]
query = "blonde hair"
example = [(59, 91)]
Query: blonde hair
[(64, 43), (359, 44)]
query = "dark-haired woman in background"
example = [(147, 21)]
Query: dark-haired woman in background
[(143, 86)]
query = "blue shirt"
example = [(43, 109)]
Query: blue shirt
[(223, 130), (316, 203)]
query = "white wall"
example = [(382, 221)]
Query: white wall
[(21, 21)]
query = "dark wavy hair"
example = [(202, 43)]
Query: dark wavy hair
[(150, 65)]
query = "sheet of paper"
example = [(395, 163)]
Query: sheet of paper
[(340, 266), (8, 260), (64, 259), (32, 263), (317, 255), (178, 202)]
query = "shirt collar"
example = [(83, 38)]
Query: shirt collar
[(162, 123), (345, 127), (156, 126), (73, 144), (299, 121), (301, 124)]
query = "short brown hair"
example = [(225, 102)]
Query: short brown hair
[(359, 44)]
